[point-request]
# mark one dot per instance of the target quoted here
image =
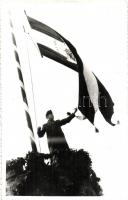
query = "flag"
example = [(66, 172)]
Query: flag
[(52, 45), (92, 94)]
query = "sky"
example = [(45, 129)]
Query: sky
[(98, 31)]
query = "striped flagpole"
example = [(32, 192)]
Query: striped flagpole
[(23, 92)]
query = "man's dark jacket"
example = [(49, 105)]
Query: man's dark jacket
[(55, 135)]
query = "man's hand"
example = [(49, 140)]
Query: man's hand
[(39, 129), (75, 110)]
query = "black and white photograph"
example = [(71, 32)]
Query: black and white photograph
[(64, 72)]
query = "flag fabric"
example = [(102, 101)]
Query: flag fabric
[(92, 94), (52, 45), (105, 103)]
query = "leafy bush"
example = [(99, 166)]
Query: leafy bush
[(68, 173)]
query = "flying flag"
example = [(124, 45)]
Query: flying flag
[(92, 94)]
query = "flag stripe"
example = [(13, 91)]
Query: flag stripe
[(85, 105), (105, 103), (46, 51), (39, 26), (92, 87)]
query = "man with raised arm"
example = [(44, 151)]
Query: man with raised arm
[(55, 135)]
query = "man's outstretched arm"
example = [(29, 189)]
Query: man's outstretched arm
[(40, 132), (67, 119)]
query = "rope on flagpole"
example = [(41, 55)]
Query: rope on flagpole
[(27, 32), (34, 42)]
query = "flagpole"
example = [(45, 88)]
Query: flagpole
[(32, 90), (27, 31), (23, 92)]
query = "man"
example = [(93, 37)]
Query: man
[(55, 135)]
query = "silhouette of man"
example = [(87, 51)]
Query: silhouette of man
[(55, 135)]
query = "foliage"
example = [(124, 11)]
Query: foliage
[(68, 173)]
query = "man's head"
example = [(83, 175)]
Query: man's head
[(49, 115)]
